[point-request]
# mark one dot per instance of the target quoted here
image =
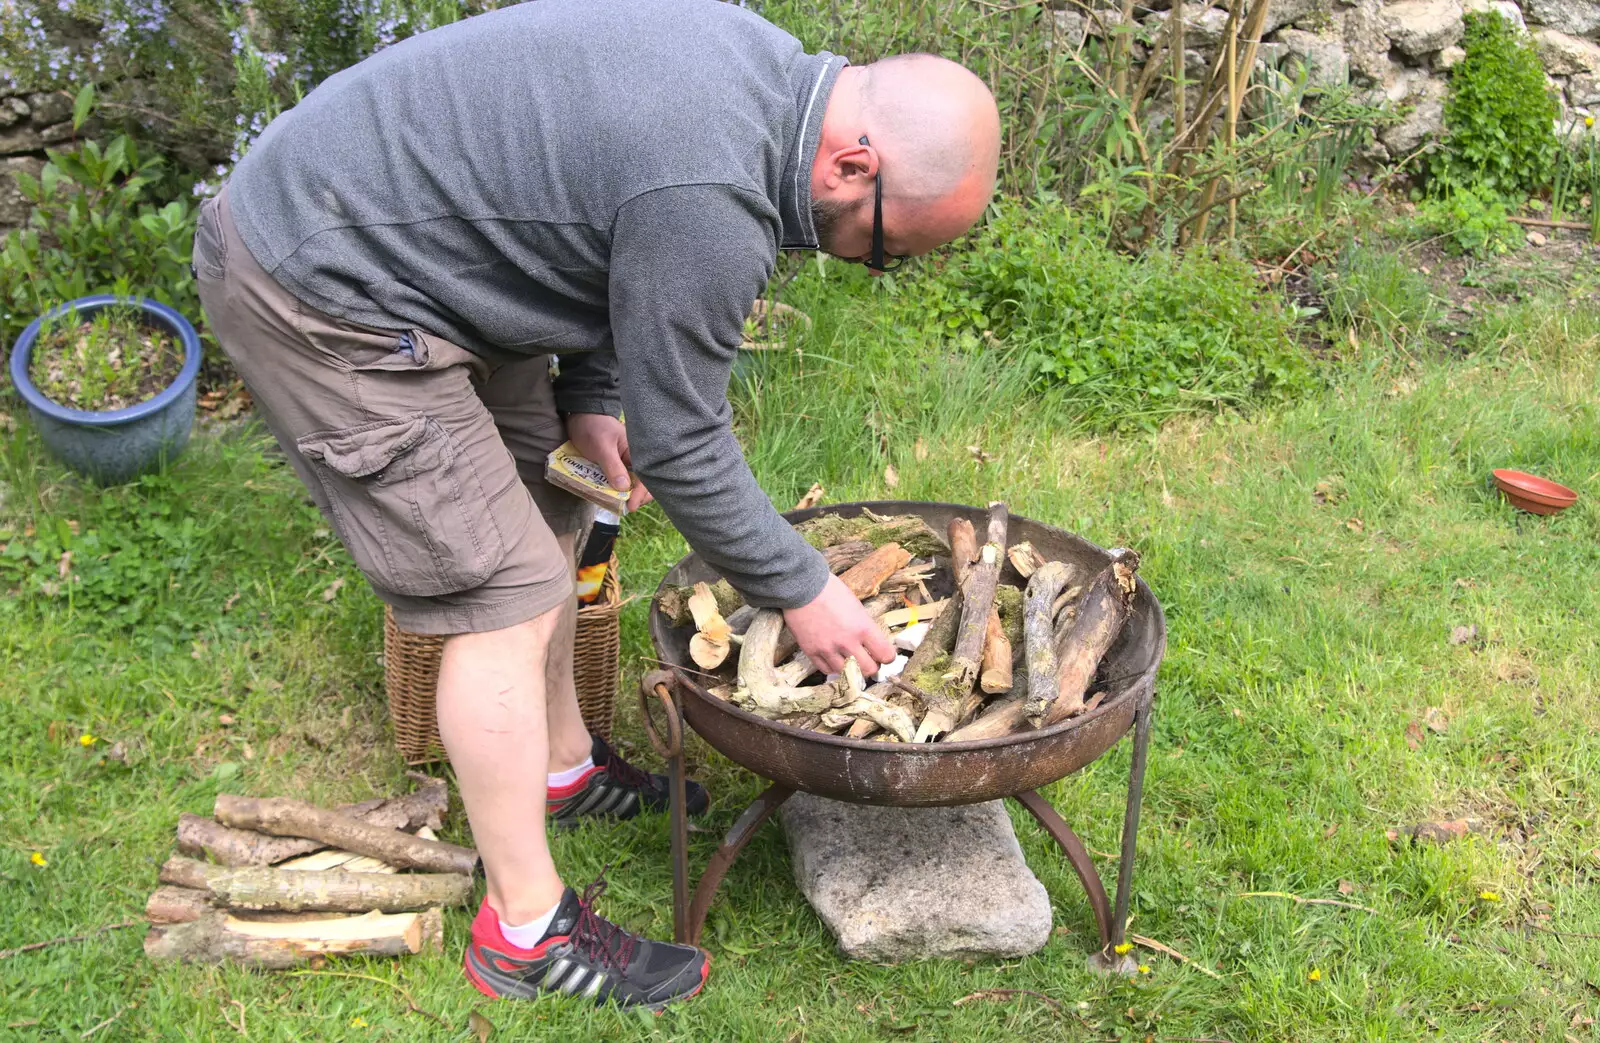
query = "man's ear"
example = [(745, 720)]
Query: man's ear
[(850, 164)]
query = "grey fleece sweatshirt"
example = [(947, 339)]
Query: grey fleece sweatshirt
[(607, 180)]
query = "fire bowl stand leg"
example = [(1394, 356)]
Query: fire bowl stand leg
[(1112, 925)]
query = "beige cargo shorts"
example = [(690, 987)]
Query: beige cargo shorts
[(427, 460)]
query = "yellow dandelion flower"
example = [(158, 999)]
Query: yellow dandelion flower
[(358, 1022), (1124, 949), (1315, 975), (38, 859), (1144, 968), (87, 740), (1489, 896), (1588, 121)]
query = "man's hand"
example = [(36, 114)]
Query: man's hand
[(834, 627), (604, 440)]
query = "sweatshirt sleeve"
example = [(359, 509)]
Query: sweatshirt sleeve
[(686, 264), (588, 382)]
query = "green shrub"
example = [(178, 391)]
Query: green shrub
[(96, 227), (1134, 338), (1499, 117), (1468, 222)]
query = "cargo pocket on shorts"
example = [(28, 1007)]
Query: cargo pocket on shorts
[(408, 504)]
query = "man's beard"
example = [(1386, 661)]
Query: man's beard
[(826, 214)]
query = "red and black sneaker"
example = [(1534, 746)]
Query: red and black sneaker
[(583, 954), (613, 788)]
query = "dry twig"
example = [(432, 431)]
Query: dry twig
[(1151, 943), (998, 994), (31, 946), (1307, 901)]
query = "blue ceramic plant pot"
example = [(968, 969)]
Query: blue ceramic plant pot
[(119, 444)]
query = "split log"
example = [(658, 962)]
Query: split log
[(284, 817), (1001, 717), (177, 905), (911, 615), (1025, 559), (866, 576), (713, 639), (218, 938), (963, 548), (977, 604), (1039, 638), (908, 530), (198, 835), (996, 675), (1081, 643), (863, 727)]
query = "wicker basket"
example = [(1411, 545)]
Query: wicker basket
[(411, 674)]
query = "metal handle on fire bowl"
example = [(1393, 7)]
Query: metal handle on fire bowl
[(657, 685)]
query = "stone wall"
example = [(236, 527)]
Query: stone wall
[(1397, 49), (29, 124)]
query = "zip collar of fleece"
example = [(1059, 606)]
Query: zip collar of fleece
[(794, 193)]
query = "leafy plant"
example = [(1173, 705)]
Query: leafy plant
[(1499, 117), (96, 228), (1469, 222), (1136, 339)]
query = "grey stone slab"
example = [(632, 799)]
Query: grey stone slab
[(897, 884)]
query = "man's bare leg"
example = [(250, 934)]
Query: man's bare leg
[(492, 719), (570, 743)]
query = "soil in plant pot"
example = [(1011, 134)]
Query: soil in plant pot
[(111, 360)]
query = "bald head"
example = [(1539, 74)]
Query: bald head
[(935, 123), (934, 140)]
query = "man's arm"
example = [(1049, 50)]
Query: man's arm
[(588, 382), (686, 263)]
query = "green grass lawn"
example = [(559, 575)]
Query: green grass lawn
[(1313, 564)]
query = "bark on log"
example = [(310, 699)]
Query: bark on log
[(281, 816), (219, 938), (996, 675), (908, 530), (977, 604), (1081, 643), (177, 905), (188, 872), (674, 602), (1039, 638), (198, 835), (842, 556)]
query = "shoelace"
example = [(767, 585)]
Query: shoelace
[(598, 938), (626, 773)]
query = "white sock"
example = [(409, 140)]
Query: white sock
[(527, 935), (571, 775)]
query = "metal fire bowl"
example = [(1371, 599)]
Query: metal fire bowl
[(930, 774)]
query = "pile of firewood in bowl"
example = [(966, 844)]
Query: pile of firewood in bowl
[(982, 659), (290, 883)]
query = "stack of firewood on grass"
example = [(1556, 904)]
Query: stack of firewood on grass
[(966, 633), (289, 883)]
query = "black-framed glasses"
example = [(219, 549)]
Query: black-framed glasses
[(878, 262)]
